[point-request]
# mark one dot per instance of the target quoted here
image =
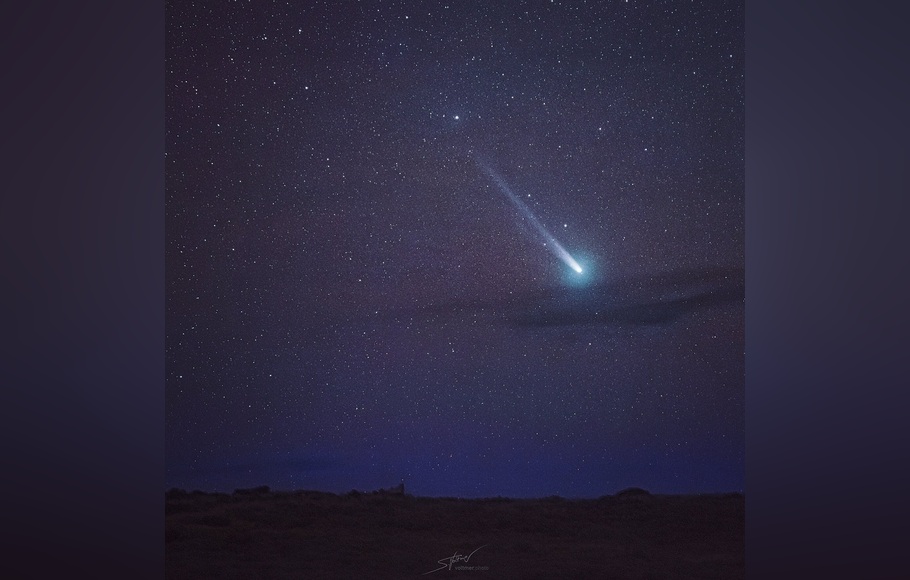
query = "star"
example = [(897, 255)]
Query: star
[(334, 251)]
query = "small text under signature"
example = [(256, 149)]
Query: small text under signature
[(447, 562)]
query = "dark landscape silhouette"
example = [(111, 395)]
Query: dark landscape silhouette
[(387, 533)]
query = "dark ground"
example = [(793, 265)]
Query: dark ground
[(307, 534)]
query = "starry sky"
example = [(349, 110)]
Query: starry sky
[(353, 299)]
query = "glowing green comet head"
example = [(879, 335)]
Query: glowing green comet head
[(581, 273), (568, 259)]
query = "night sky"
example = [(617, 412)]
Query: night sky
[(355, 298)]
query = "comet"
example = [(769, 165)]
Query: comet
[(551, 242)]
